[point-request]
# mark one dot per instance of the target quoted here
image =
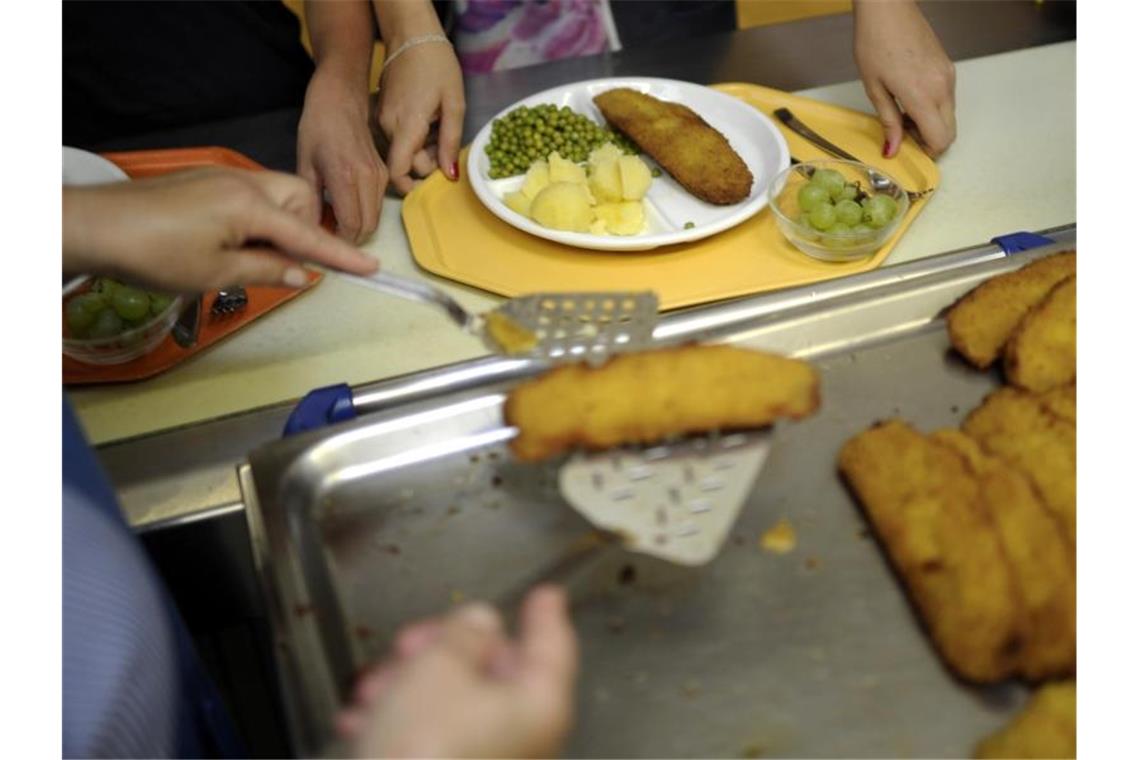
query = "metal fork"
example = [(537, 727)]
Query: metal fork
[(229, 301), (880, 182)]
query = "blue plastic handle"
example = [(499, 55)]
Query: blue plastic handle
[(320, 407), (1016, 242)]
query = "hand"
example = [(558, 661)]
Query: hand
[(335, 152), (458, 687), (423, 85), (201, 230), (901, 59)]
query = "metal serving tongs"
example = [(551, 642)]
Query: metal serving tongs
[(557, 326)]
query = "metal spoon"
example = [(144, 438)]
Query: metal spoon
[(880, 182)]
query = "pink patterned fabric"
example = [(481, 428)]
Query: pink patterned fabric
[(493, 35)]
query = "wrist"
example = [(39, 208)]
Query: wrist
[(402, 20), (342, 82)]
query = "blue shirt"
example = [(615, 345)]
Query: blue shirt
[(132, 683)]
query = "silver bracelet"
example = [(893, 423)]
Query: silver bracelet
[(413, 42)]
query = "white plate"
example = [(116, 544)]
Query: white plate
[(83, 168), (668, 205)]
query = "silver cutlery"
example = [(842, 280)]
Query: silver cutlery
[(229, 301), (880, 182), (185, 330)]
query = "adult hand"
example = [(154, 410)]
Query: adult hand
[(459, 687), (335, 152), (422, 86), (202, 229), (905, 71)]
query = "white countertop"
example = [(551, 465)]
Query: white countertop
[(1012, 168)]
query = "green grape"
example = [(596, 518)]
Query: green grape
[(105, 287), (130, 303), (880, 210), (822, 217), (811, 195), (863, 230), (850, 192), (81, 311), (830, 180), (106, 325), (159, 302), (849, 212), (838, 236)]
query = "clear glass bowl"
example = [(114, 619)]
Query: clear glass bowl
[(783, 196), (126, 346)]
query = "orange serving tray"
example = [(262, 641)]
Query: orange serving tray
[(262, 300), (452, 235)]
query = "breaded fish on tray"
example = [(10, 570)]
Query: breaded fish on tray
[(1042, 352), (983, 320), (1038, 555), (695, 154), (926, 507), (1019, 428), (1045, 728), (644, 397), (1061, 401)]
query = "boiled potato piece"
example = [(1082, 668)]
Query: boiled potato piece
[(624, 218), (537, 177), (605, 181), (635, 178), (562, 170), (563, 206), (598, 227), (518, 202), (607, 152)]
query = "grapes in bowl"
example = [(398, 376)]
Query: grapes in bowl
[(828, 209), (110, 322)]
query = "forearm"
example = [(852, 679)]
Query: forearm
[(342, 33), (401, 20), (86, 218)]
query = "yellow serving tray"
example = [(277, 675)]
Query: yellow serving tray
[(452, 235)]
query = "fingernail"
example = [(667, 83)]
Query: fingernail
[(295, 277), (886, 148), (479, 615), (455, 170)]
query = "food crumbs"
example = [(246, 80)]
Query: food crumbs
[(689, 225), (655, 172), (779, 539), (811, 563), (508, 334), (457, 596), (752, 751), (691, 689)]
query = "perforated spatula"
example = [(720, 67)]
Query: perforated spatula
[(556, 326)]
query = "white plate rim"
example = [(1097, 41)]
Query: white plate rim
[(613, 242)]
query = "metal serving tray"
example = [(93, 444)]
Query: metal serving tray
[(813, 653)]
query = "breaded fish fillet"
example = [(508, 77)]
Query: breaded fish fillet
[(695, 154), (1038, 555), (1061, 401), (982, 321), (645, 397), (927, 509), (1019, 428), (1042, 352), (1045, 728)]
